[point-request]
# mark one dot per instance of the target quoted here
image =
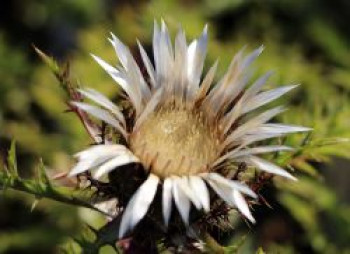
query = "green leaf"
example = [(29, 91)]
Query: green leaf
[(62, 73), (260, 251), (42, 177), (12, 161), (235, 248), (211, 245), (306, 167), (49, 61), (43, 189), (92, 240)]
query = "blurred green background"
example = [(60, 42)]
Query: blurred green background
[(306, 42)]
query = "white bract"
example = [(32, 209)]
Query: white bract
[(184, 127)]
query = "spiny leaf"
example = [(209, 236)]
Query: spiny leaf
[(61, 73), (235, 248), (12, 161), (42, 177), (330, 141), (260, 251), (59, 193), (307, 139), (49, 61), (92, 240), (69, 247), (91, 228), (211, 245), (107, 234), (306, 167), (86, 240), (5, 182)]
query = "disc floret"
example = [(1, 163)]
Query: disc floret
[(176, 141)]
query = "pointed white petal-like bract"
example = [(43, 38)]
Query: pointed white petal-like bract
[(242, 205), (163, 53), (102, 115), (196, 56), (104, 102), (235, 80), (100, 150), (118, 161), (216, 98), (107, 67), (156, 52), (121, 79), (260, 150), (144, 201), (167, 199), (133, 76), (195, 59), (234, 90), (232, 197), (254, 136), (184, 184), (265, 97), (257, 85), (149, 67), (166, 38), (132, 69), (268, 166), (139, 204), (249, 59), (239, 152), (180, 61), (252, 124), (200, 189), (121, 50), (230, 183), (230, 117), (96, 156), (273, 128), (182, 202), (220, 180), (151, 105), (85, 165), (207, 81), (224, 191), (270, 130)]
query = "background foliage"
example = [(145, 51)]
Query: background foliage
[(305, 41)]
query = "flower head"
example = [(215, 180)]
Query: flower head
[(183, 129)]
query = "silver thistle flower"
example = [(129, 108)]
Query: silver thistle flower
[(184, 130)]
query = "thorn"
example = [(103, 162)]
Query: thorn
[(34, 204), (60, 175), (307, 139), (69, 110), (48, 60), (265, 202)]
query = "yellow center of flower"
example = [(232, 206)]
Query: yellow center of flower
[(175, 142)]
